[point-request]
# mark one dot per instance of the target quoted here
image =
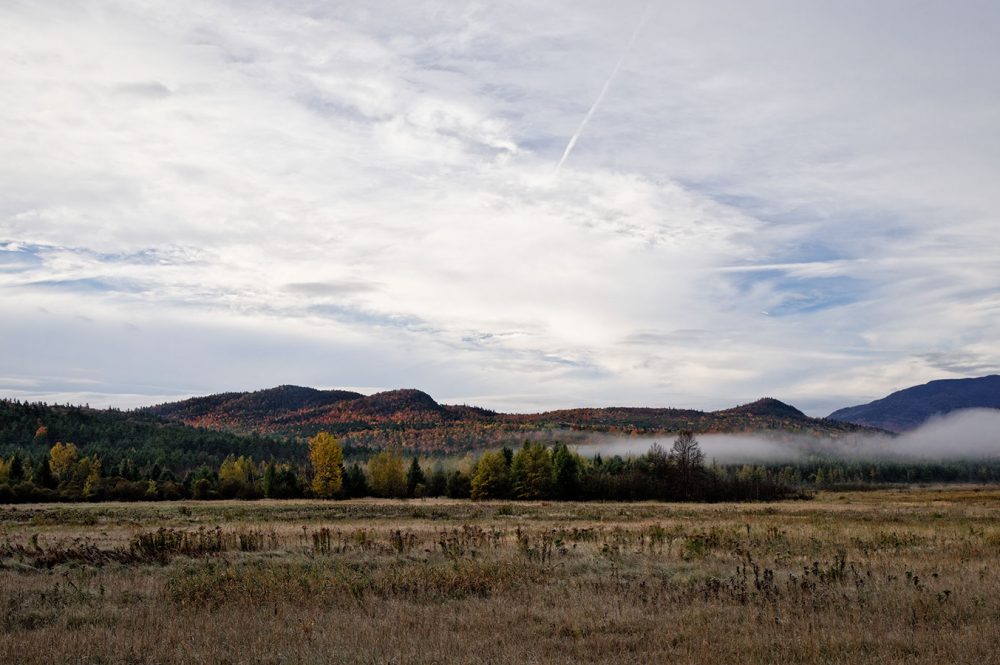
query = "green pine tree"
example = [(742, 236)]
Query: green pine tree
[(414, 478)]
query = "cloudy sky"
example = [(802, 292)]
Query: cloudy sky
[(794, 199)]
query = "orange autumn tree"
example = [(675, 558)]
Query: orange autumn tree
[(327, 460)]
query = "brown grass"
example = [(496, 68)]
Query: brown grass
[(876, 577)]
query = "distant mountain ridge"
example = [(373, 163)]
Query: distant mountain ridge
[(298, 411), (284, 408), (907, 409), (230, 410), (766, 407)]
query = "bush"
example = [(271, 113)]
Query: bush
[(202, 489), (127, 490)]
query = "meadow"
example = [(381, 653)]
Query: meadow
[(895, 575)]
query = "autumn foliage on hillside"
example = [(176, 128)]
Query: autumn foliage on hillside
[(412, 419)]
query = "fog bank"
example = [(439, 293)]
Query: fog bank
[(966, 434)]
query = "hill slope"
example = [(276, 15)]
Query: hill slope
[(142, 437), (414, 419), (909, 408), (231, 410)]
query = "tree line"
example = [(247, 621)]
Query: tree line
[(534, 471), (143, 439)]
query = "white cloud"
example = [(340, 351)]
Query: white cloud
[(811, 188)]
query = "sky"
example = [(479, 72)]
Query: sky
[(519, 205)]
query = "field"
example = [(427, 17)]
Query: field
[(910, 575)]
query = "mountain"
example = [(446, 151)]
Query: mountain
[(231, 411), (228, 409), (907, 409), (413, 418), (273, 423), (767, 407)]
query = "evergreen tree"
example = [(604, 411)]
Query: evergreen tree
[(565, 472), (414, 478), (437, 484), (269, 484), (280, 481), (126, 469), (355, 482), (289, 484), (42, 475), (458, 485), (531, 472), (16, 473)]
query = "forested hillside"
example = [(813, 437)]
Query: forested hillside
[(413, 419), (75, 453), (140, 438)]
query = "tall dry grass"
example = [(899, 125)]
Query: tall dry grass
[(879, 577)]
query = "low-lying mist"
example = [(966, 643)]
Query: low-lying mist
[(967, 434)]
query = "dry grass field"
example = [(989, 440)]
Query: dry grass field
[(907, 576)]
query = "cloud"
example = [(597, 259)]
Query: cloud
[(765, 204), (330, 288), (971, 363), (83, 285), (15, 259), (149, 90)]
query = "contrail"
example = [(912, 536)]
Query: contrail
[(604, 90)]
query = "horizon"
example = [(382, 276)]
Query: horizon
[(369, 391), (519, 207)]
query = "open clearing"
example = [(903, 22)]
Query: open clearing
[(908, 575)]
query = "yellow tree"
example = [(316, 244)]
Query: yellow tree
[(62, 457), (490, 480), (327, 459), (386, 473), (227, 470), (93, 478), (241, 470)]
